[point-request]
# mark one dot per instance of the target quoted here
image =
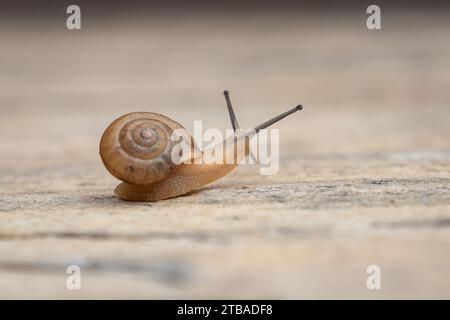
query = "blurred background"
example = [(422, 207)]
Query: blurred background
[(364, 166), (176, 58)]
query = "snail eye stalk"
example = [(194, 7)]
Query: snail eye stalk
[(234, 122), (277, 118)]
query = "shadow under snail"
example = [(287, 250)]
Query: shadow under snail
[(136, 148)]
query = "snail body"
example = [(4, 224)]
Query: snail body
[(137, 148), (186, 179)]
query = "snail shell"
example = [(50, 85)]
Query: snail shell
[(136, 148)]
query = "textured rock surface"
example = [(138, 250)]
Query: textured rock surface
[(364, 170)]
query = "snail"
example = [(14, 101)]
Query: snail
[(136, 148)]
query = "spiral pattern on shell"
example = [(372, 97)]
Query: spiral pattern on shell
[(136, 148)]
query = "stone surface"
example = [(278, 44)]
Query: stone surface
[(364, 169)]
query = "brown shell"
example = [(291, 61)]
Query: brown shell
[(136, 148)]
